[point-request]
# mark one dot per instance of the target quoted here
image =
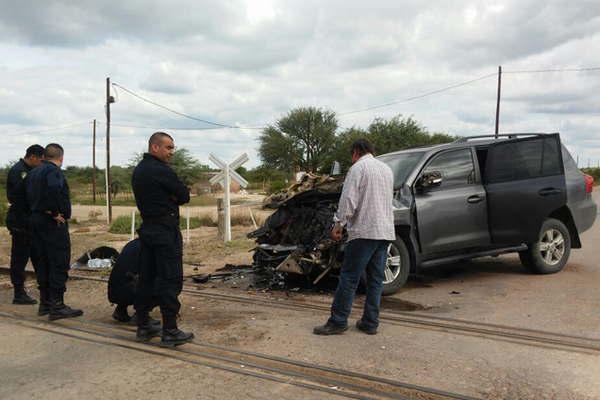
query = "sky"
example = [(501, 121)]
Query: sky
[(247, 63)]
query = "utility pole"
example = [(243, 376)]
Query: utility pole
[(109, 99), (498, 99), (94, 165)]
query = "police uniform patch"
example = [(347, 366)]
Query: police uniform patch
[(23, 175)]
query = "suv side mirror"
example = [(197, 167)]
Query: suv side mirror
[(429, 180)]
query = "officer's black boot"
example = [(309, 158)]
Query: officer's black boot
[(120, 314), (59, 310), (171, 335), (44, 308), (146, 330), (21, 296)]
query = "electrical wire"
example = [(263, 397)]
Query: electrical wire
[(182, 114), (49, 129), (444, 89), (537, 71), (119, 125)]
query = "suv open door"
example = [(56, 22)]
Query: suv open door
[(525, 183)]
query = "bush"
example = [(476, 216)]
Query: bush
[(122, 224), (3, 211), (276, 186)]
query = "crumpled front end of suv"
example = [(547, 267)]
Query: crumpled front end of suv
[(295, 238)]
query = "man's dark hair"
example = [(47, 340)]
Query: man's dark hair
[(157, 138), (34, 150), (363, 146), (53, 151)]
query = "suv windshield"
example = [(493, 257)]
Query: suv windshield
[(401, 164)]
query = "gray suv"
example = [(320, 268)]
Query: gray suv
[(478, 196)]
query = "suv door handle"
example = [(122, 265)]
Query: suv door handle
[(475, 199), (549, 191)]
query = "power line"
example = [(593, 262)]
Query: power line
[(418, 96), (49, 129), (164, 128), (182, 114), (536, 71)]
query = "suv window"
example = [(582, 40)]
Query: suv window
[(524, 159), (456, 166)]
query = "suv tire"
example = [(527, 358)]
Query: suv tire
[(397, 267), (551, 252)]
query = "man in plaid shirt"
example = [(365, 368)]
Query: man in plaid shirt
[(365, 209)]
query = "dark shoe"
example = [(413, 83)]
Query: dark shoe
[(175, 337), (43, 309), (133, 321), (21, 297), (120, 314), (364, 328), (329, 329), (147, 332), (61, 310)]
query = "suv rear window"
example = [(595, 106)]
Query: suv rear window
[(524, 159)]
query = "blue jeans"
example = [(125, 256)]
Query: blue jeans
[(360, 254)]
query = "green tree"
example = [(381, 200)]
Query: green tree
[(185, 165), (301, 139)]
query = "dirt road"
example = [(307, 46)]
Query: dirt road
[(35, 363)]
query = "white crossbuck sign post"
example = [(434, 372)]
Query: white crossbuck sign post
[(224, 178)]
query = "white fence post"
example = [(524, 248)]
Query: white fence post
[(132, 224), (187, 221)]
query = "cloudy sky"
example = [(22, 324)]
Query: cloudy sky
[(246, 63)]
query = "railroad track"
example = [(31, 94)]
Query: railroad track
[(531, 337), (310, 376)]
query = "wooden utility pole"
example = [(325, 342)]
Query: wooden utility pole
[(109, 99), (94, 165), (498, 99)]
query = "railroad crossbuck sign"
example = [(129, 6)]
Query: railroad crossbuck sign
[(224, 178)]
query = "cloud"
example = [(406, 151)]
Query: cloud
[(249, 62)]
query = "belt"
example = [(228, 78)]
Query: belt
[(167, 218)]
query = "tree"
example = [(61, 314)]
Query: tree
[(302, 139), (185, 165), (386, 136)]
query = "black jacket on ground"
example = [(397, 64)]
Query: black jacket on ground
[(48, 191), (18, 213), (157, 189)]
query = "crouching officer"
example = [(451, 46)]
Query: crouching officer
[(158, 195), (122, 283), (48, 197), (17, 222)]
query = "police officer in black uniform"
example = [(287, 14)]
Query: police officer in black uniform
[(17, 222), (48, 198), (158, 194)]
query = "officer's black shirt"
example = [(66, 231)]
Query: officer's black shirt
[(157, 189), (18, 212), (47, 190)]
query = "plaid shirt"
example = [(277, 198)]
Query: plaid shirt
[(365, 205)]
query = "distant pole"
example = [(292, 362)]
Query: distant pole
[(498, 99), (109, 99), (94, 165), (588, 163), (577, 160), (133, 224), (227, 204)]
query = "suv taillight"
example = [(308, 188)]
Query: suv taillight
[(589, 183)]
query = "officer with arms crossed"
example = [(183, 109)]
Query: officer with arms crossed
[(158, 195), (48, 199), (17, 222)]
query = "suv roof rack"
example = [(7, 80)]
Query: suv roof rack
[(502, 135)]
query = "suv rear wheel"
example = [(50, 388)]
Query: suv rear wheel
[(397, 267), (551, 252)]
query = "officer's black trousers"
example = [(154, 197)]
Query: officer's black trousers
[(21, 251), (53, 244), (161, 270)]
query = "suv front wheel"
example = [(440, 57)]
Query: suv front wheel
[(551, 252), (397, 267)]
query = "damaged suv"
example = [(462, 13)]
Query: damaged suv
[(478, 196)]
